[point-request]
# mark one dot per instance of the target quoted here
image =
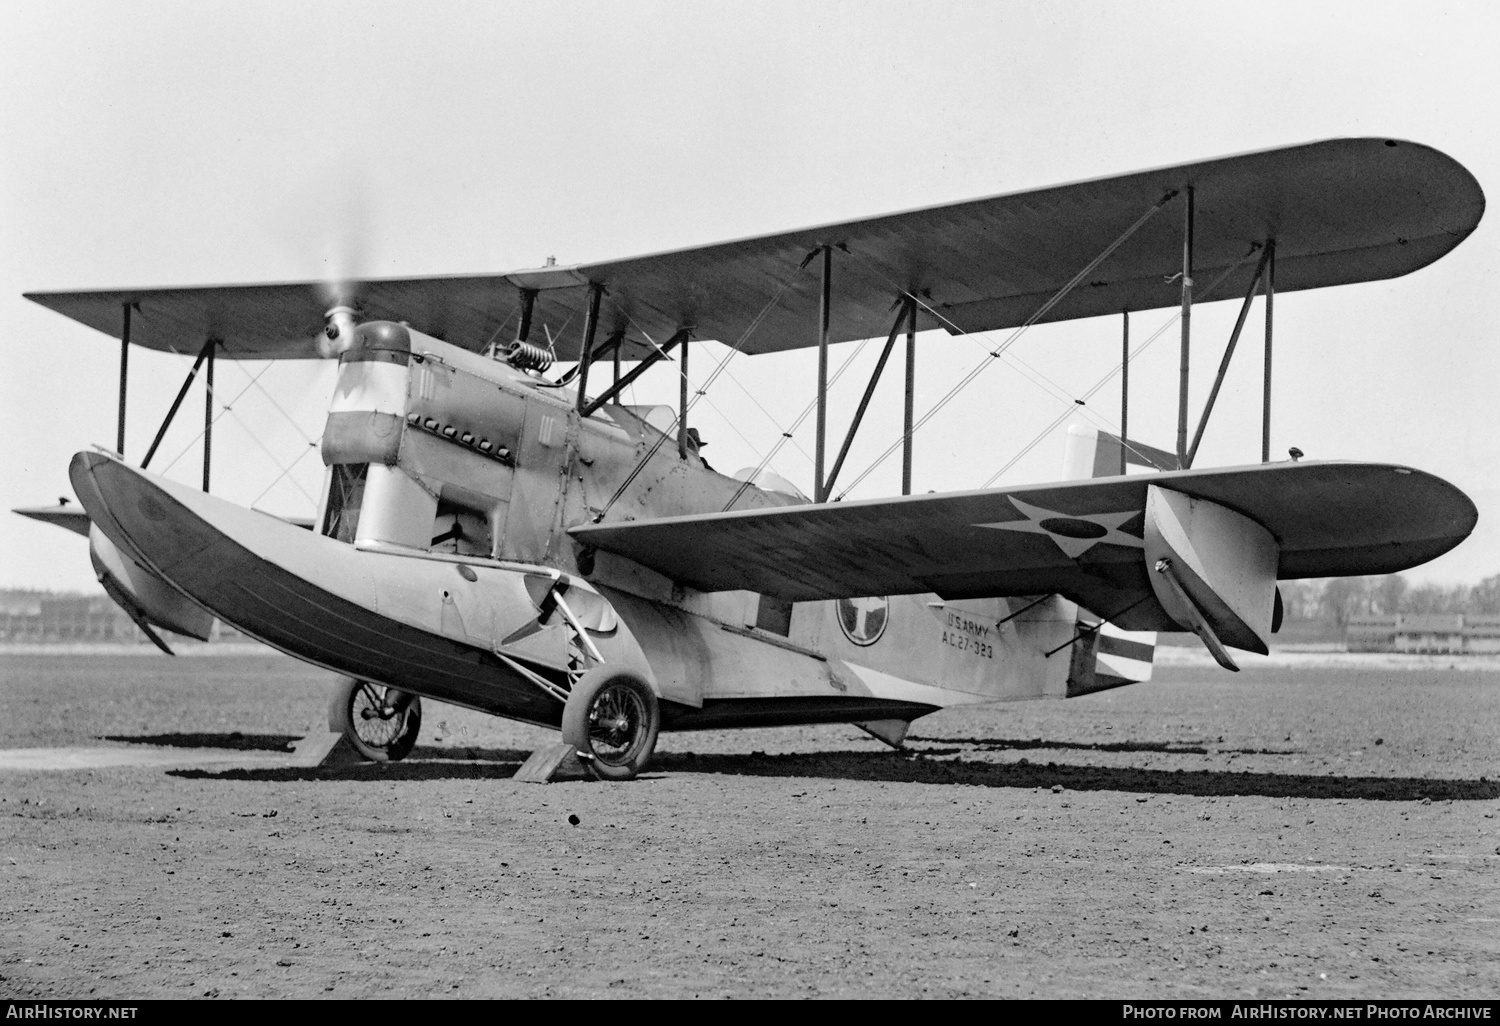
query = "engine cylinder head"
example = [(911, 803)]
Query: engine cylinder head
[(525, 356)]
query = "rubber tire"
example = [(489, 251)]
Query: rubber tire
[(575, 722), (341, 718)]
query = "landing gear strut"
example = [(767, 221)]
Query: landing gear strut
[(382, 723)]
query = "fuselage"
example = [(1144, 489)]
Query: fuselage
[(452, 483), (433, 450)]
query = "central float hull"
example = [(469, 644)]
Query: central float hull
[(437, 626)]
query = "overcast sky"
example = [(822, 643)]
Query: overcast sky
[(188, 143)]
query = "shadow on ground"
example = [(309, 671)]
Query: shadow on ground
[(905, 767), (424, 763), (918, 768), (1000, 744), (238, 742), (235, 741)]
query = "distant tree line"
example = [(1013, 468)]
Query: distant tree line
[(1338, 599)]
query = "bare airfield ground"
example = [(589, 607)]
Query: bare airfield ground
[(1293, 830)]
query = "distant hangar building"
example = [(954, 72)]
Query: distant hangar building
[(1431, 633), (40, 618), (45, 618)]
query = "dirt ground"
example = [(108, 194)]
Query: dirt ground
[(1304, 832)]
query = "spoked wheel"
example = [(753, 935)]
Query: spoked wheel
[(381, 722), (612, 718)]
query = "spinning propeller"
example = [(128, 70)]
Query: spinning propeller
[(339, 292), (338, 333)]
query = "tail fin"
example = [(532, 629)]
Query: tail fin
[(1105, 656), (1095, 453)]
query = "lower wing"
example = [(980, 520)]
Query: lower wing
[(1085, 540)]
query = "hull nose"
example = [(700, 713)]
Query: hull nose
[(148, 598), (203, 545), (361, 613), (117, 560)]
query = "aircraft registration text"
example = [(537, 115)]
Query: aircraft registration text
[(968, 635)]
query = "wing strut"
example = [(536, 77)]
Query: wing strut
[(1265, 417), (611, 347), (820, 486), (528, 307), (590, 326), (1124, 390), (682, 402), (177, 403), (124, 368), (619, 386), (998, 351), (1234, 338), (864, 402), (911, 392), (1187, 330), (208, 408)]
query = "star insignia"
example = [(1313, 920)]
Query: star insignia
[(1075, 535)]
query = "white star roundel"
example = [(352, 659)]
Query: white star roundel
[(1075, 535), (863, 620)]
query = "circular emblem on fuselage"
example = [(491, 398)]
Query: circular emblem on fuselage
[(863, 620)]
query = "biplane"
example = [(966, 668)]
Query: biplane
[(499, 536)]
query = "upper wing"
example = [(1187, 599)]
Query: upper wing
[(1343, 210), (1080, 539)]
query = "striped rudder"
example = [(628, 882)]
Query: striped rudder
[(1104, 656), (1108, 657)]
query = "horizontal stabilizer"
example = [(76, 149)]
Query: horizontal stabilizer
[(1085, 540), (68, 517)]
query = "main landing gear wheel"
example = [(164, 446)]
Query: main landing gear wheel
[(612, 718), (381, 722)]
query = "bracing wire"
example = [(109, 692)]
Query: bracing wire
[(287, 470), (263, 448), (713, 376), (706, 398), (788, 435), (1114, 373), (730, 421), (223, 409), (229, 409), (272, 400), (768, 415), (1014, 336), (276, 462), (1065, 414)]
